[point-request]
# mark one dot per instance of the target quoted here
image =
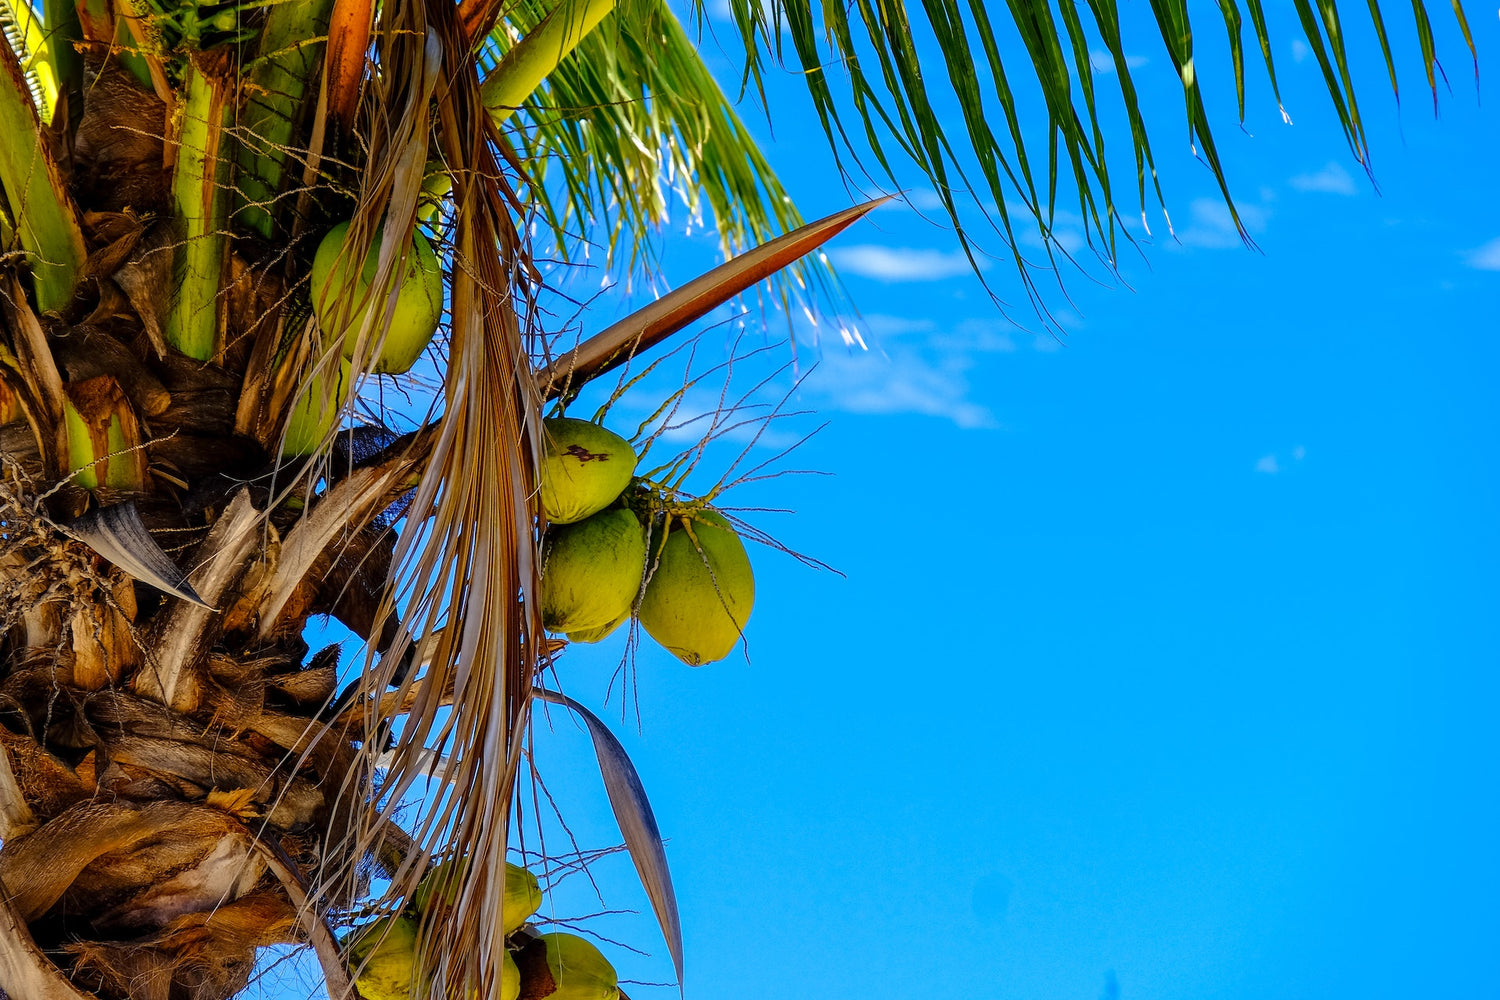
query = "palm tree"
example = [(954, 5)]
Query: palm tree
[(182, 780)]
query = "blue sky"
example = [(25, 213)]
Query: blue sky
[(1162, 664), (1164, 659)]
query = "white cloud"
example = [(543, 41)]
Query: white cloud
[(987, 336), (1332, 179), (921, 199), (900, 263), (1487, 257), (901, 382), (1212, 225), (1299, 453), (1268, 465), (1104, 63), (1300, 51)]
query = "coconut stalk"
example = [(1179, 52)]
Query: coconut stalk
[(199, 189), (40, 208)]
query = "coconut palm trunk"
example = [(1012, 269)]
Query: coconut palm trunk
[(183, 780)]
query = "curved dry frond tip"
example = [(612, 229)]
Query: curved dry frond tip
[(118, 534), (652, 324), (895, 103), (632, 809)]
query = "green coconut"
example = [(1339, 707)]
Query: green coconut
[(383, 957), (700, 594), (437, 184), (598, 634), (591, 572), (419, 299), (579, 970), (523, 894), (317, 409), (510, 978), (586, 467)]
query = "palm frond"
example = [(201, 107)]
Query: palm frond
[(630, 114), (866, 50), (23, 30), (648, 326), (42, 212)]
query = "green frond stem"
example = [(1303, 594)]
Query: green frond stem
[(199, 194), (41, 212), (532, 59), (23, 30), (103, 436), (291, 48)]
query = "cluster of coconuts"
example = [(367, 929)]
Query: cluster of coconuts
[(605, 538), (418, 309), (557, 966)]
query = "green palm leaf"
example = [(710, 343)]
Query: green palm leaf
[(894, 95), (631, 112)]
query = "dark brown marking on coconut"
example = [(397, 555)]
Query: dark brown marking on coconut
[(536, 976), (583, 455)]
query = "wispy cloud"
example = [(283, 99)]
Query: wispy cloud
[(1104, 63), (901, 381), (1487, 257), (1212, 226), (1332, 179), (1300, 51), (871, 260), (1271, 465), (982, 335), (922, 199)]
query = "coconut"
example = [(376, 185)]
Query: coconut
[(585, 469), (523, 894), (510, 978), (591, 572), (383, 957), (597, 634), (317, 409), (579, 971), (436, 186), (419, 299), (701, 591)]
